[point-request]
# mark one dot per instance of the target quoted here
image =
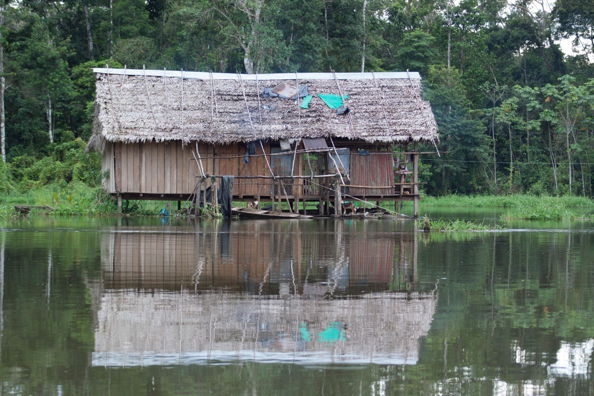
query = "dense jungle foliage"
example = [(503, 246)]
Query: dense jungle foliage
[(515, 112)]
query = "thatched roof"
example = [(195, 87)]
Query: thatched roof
[(153, 105), (164, 328)]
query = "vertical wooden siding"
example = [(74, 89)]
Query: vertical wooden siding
[(371, 170), (228, 164), (158, 168), (170, 168), (255, 167), (108, 169)]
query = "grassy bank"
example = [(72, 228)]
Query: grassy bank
[(525, 207), (77, 198)]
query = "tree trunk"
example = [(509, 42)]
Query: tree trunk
[(569, 164), (494, 149), (110, 27), (553, 160), (252, 41), (2, 89), (248, 62), (364, 37), (50, 121), (89, 30), (567, 146), (326, 27), (511, 158), (581, 163), (449, 46), (527, 136)]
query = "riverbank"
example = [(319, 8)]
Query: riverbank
[(520, 206), (78, 199)]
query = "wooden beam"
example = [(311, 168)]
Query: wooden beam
[(416, 184)]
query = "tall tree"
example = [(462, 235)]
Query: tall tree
[(461, 170), (2, 87), (248, 23), (576, 19)]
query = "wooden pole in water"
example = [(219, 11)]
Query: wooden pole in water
[(337, 199), (416, 183), (204, 193), (214, 199)]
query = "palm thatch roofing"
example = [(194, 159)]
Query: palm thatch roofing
[(220, 108)]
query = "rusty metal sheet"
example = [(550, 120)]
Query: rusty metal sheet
[(286, 90), (317, 144)]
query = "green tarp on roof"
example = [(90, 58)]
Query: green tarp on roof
[(305, 102), (333, 101)]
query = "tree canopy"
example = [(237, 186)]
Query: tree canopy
[(514, 112)]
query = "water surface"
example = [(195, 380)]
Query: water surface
[(144, 306)]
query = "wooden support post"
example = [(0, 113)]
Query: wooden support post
[(272, 190), (321, 204), (214, 199), (203, 182), (415, 257), (416, 183), (119, 204), (337, 199), (274, 195), (178, 205)]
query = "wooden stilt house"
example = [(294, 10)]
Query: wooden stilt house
[(293, 138)]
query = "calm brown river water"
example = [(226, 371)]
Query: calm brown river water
[(365, 307)]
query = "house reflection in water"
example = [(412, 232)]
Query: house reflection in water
[(304, 292)]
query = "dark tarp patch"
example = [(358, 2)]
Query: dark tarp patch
[(317, 144)]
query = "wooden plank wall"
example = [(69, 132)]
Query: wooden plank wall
[(170, 168), (371, 170), (107, 168), (228, 166), (159, 168), (255, 167)]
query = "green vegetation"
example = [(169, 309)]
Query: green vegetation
[(527, 207), (514, 112), (505, 201), (68, 180)]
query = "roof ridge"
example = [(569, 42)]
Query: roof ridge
[(198, 75)]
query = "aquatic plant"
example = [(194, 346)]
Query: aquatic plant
[(454, 225)]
